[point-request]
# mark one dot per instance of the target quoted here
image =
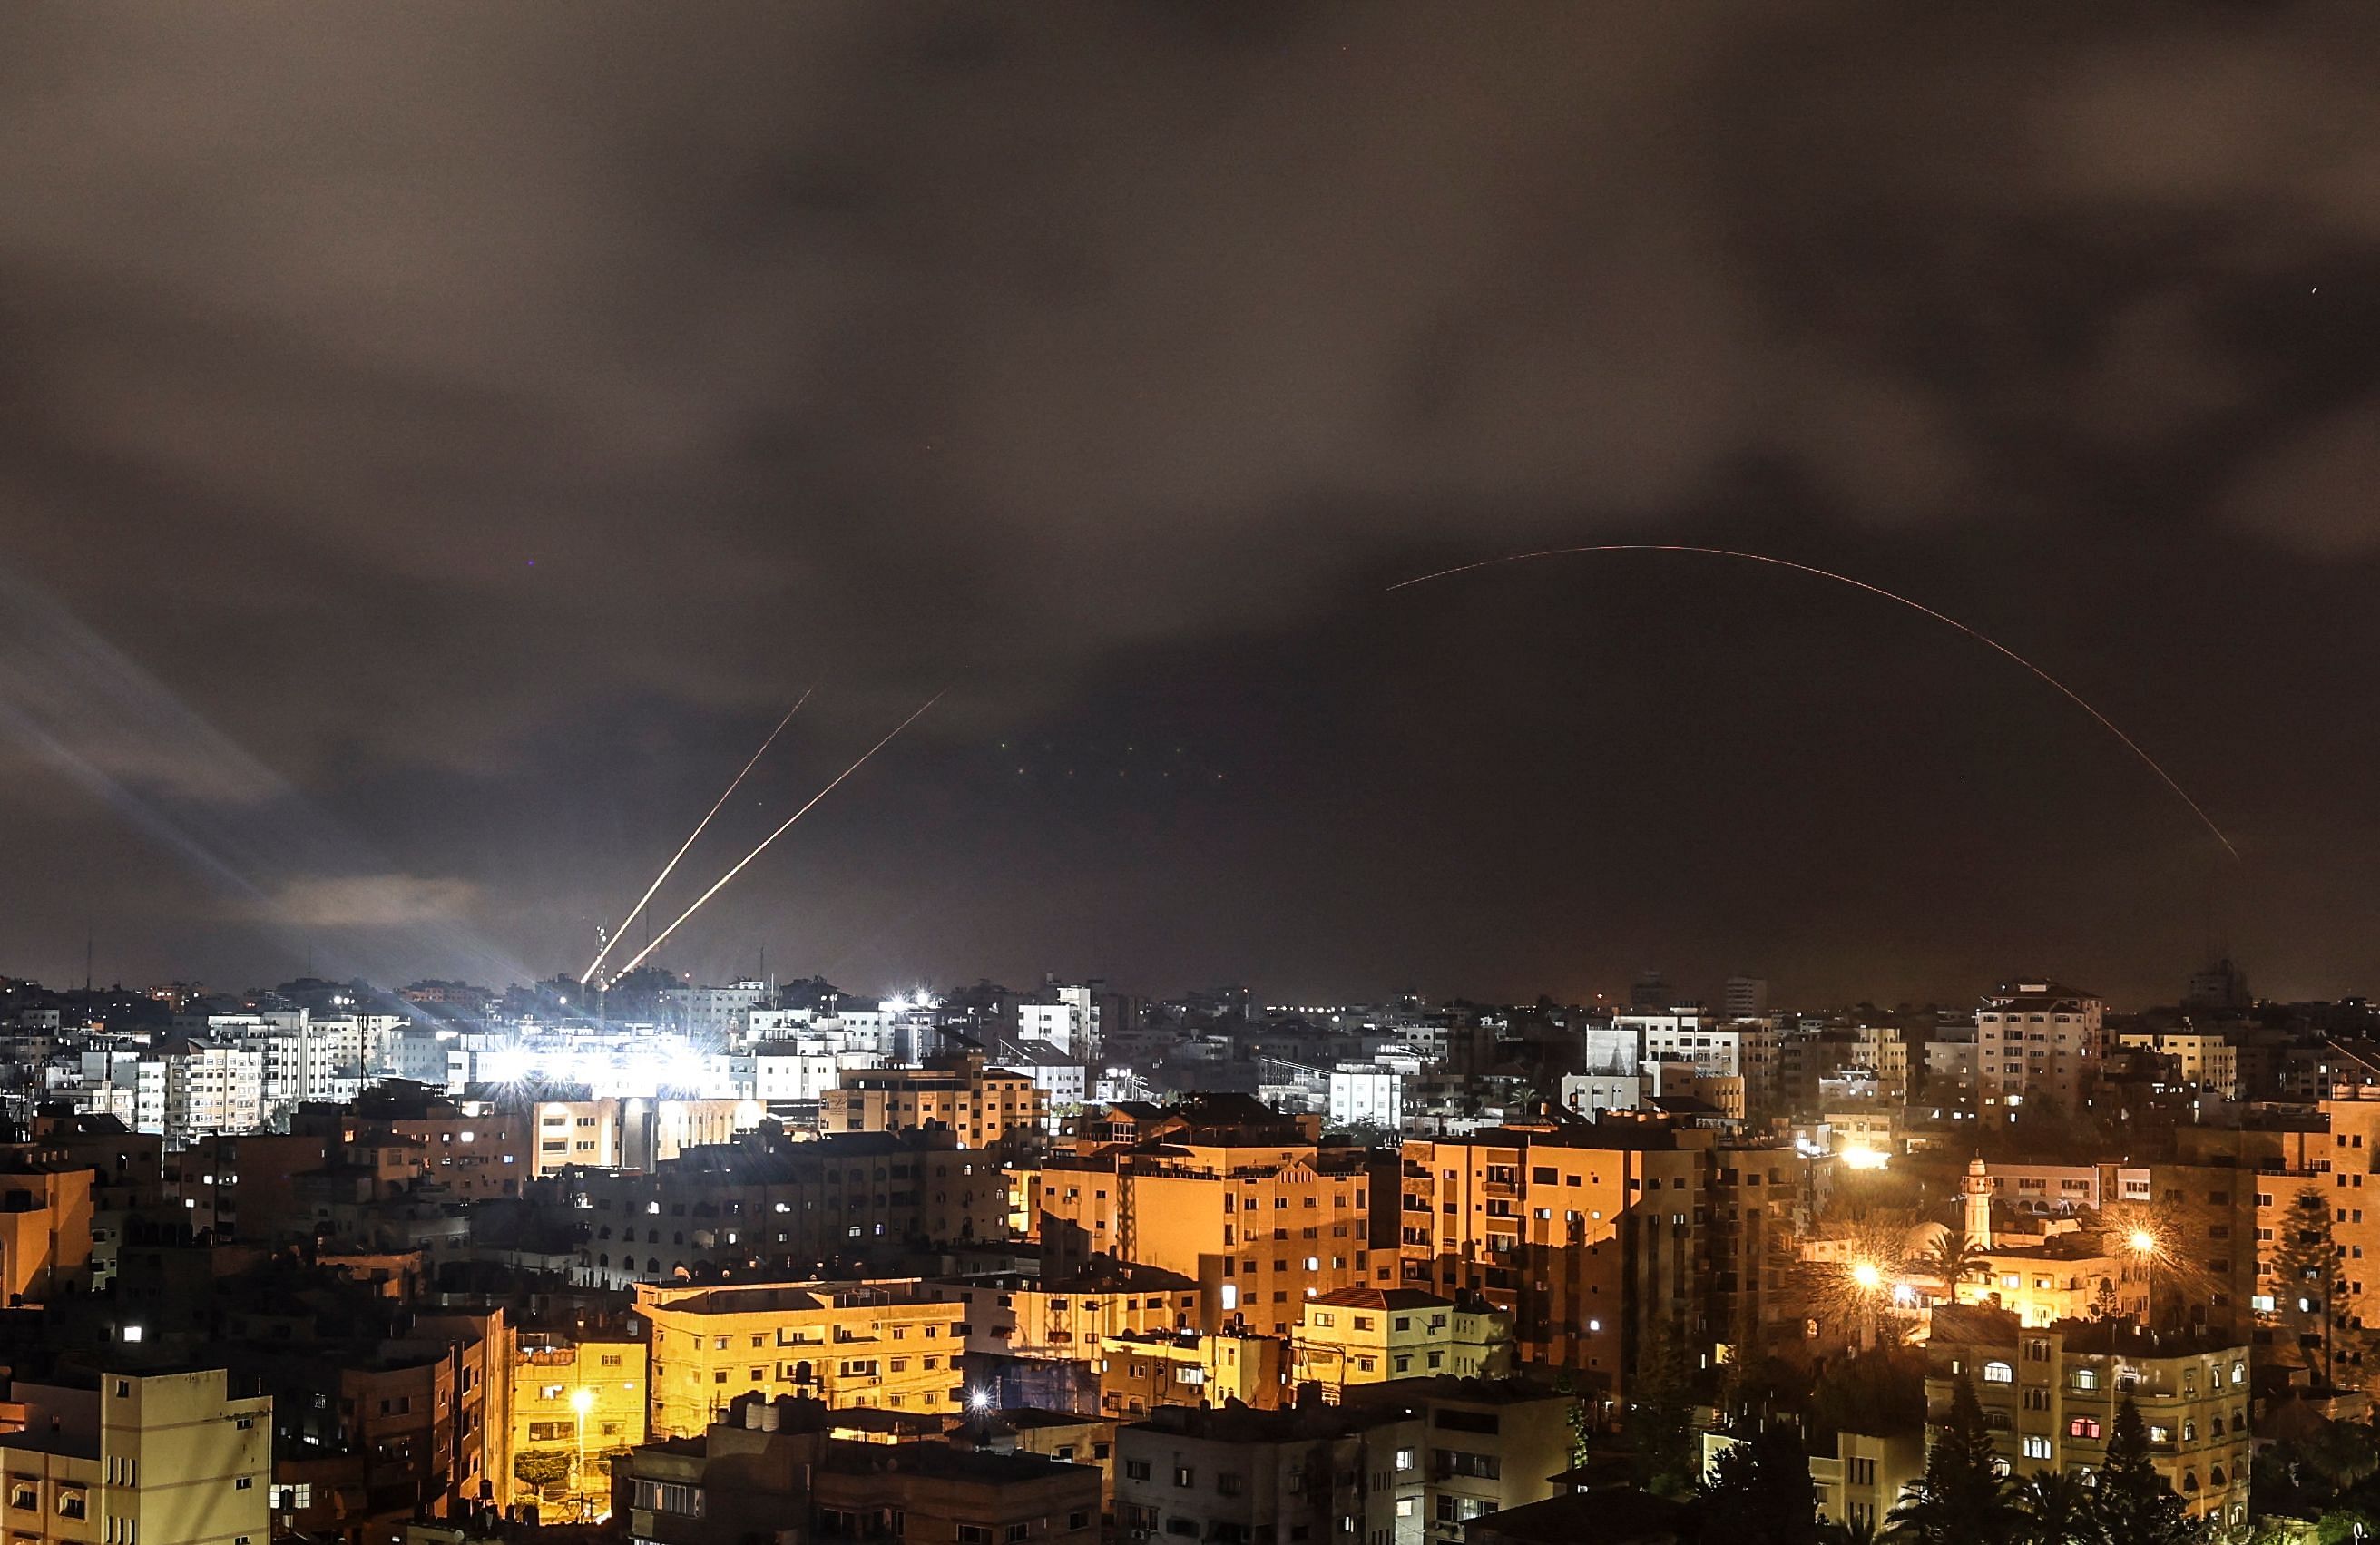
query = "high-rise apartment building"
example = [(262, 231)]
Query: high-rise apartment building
[(1594, 1239), (1260, 1228), (2037, 1040)]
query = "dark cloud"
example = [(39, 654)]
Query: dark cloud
[(484, 400)]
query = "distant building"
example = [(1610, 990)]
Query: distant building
[(2201, 1060), (1361, 1095), (1067, 1018), (2037, 1040), (2222, 988), (188, 1089), (711, 1016), (1744, 998), (1650, 992), (983, 1107)]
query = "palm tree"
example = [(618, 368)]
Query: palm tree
[(1953, 1258), (2056, 1510)]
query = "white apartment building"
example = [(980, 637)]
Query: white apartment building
[(785, 1073), (712, 1016), (1590, 1094), (1068, 1019), (2037, 1039), (1361, 1095), (425, 1056), (305, 1058), (1746, 1050), (188, 1089)]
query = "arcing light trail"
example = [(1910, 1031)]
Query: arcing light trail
[(722, 884), (2071, 695), (597, 964)]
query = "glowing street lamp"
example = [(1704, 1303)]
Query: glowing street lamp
[(1868, 1278), (582, 1400), (2143, 1244)]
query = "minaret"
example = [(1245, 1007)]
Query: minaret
[(1976, 1198)]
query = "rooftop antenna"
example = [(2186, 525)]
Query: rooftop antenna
[(86, 937)]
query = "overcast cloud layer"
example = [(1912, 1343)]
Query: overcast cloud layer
[(460, 407)]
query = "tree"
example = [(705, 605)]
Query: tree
[(2056, 1510), (2312, 1307), (2135, 1505), (1953, 1258), (1961, 1499), (1844, 1532), (542, 1467), (1659, 1423), (1759, 1491)]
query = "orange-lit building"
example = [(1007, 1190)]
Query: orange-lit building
[(983, 1107), (883, 1344), (1260, 1228), (1586, 1236), (44, 1230)]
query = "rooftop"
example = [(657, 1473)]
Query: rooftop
[(1241, 1423), (1381, 1298), (1982, 1325), (1452, 1388)]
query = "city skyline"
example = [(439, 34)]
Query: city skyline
[(409, 533)]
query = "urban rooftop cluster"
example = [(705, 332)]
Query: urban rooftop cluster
[(698, 1265)]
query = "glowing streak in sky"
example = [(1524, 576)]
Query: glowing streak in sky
[(780, 831), (592, 966), (2071, 695)]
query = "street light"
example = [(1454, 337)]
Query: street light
[(1868, 1278), (2144, 1243), (582, 1400)]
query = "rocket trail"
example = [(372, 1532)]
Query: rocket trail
[(721, 882), (617, 933), (1986, 640)]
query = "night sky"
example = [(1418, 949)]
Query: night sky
[(437, 442)]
